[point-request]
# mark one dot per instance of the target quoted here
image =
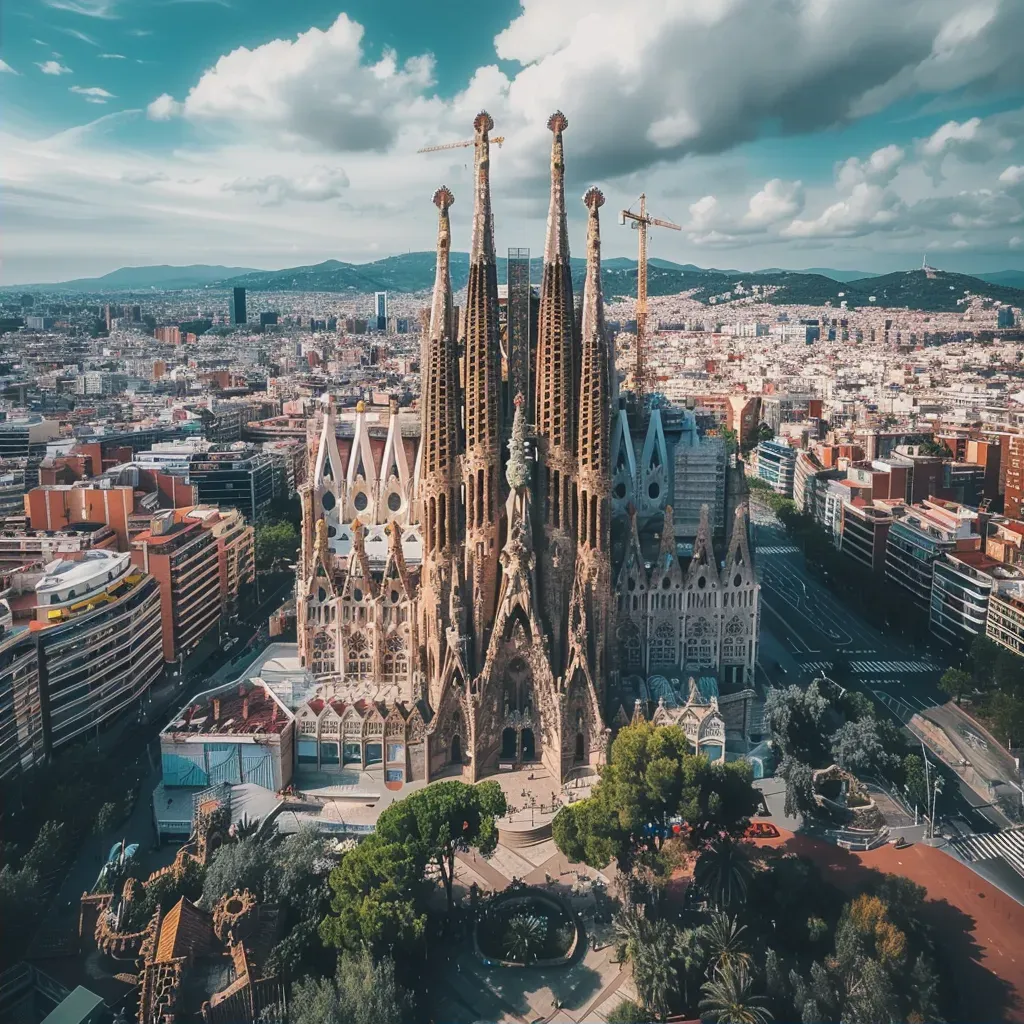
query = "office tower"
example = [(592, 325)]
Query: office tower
[(238, 306), (381, 305), (268, 319)]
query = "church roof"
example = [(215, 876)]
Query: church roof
[(185, 931)]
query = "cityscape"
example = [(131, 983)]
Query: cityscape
[(397, 626)]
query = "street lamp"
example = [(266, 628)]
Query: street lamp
[(936, 790)]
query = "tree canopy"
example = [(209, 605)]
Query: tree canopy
[(651, 779)]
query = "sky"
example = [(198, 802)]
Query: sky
[(852, 134)]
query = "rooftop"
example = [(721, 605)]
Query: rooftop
[(235, 708)]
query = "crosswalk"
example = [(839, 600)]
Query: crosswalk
[(1008, 844), (878, 668), (777, 549)]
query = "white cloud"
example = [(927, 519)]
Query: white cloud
[(53, 67), (703, 213), (163, 108), (1013, 175), (778, 200), (92, 93), (142, 177), (89, 8), (112, 56), (879, 168), (6, 68), (320, 184), (1016, 242), (866, 208), (316, 87), (80, 36)]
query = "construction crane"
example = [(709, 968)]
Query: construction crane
[(497, 140), (640, 223)]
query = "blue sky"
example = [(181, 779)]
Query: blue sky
[(845, 133)]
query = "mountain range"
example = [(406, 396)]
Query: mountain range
[(413, 272)]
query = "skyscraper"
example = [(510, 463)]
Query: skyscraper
[(381, 305), (238, 306)]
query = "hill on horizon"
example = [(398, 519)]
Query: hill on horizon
[(935, 291)]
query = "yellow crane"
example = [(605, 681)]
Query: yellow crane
[(641, 222), (497, 140)]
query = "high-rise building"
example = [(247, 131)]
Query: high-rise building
[(268, 319), (182, 556), (21, 714), (380, 301), (239, 477), (238, 315), (98, 627)]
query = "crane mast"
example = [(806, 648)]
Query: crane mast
[(642, 376)]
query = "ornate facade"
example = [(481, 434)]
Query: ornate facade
[(455, 601)]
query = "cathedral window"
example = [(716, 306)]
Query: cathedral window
[(359, 656), (323, 654), (663, 645), (629, 646), (396, 664)]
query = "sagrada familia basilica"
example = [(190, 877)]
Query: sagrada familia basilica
[(458, 600)]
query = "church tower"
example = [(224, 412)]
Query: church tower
[(439, 484), (482, 352), (590, 604), (554, 405)]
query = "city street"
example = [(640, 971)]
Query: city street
[(805, 629)]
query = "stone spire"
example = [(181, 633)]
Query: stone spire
[(593, 439), (592, 585), (517, 469), (554, 405), (482, 353), (438, 486)]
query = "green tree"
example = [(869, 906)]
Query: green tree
[(955, 683), (729, 998), (629, 1013), (1007, 713), (654, 969), (651, 778), (361, 992), (723, 939), (794, 718), (799, 779), (765, 432), (915, 781), (982, 660), (857, 747), (377, 898), (445, 819), (275, 542), (724, 872), (524, 936), (106, 819), (248, 864), (691, 956)]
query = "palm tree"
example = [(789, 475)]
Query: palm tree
[(724, 872), (728, 998), (524, 937), (723, 938), (690, 954), (654, 969)]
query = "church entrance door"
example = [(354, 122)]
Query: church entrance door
[(529, 745), (456, 749), (508, 745), (579, 748)]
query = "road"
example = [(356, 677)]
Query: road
[(805, 628)]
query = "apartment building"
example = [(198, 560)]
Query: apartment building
[(1005, 623), (920, 536), (21, 714), (963, 583), (182, 556), (776, 465), (239, 477), (864, 531), (97, 624), (21, 546)]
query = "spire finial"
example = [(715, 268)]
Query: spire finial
[(517, 471), (483, 122), (443, 198), (557, 122), (593, 198)]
